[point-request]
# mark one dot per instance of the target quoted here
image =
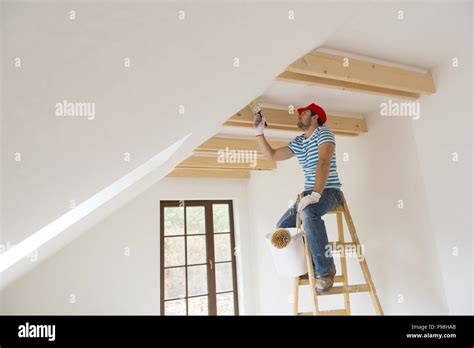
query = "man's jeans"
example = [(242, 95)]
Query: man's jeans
[(314, 227)]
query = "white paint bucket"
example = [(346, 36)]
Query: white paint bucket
[(289, 261)]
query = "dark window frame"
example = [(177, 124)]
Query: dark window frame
[(211, 278)]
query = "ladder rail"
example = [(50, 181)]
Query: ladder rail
[(345, 281), (362, 261), (309, 261), (295, 295)]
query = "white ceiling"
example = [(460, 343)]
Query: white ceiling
[(429, 34)]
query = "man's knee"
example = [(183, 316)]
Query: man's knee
[(285, 223), (312, 211)]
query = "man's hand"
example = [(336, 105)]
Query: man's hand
[(309, 199), (258, 123)]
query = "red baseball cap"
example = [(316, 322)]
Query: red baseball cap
[(315, 108)]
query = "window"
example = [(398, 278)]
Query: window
[(197, 262)]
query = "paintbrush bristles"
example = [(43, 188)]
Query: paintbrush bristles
[(280, 238)]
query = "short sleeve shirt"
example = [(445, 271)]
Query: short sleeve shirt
[(306, 150)]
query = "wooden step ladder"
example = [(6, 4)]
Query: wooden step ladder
[(342, 247)]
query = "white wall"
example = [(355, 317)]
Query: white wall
[(444, 131), (104, 280), (406, 261), (1, 142)]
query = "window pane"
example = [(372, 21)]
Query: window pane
[(224, 277), (195, 220), (221, 217), (198, 305), (174, 251), (222, 247), (196, 249), (174, 221), (225, 304), (175, 283), (177, 307), (197, 280)]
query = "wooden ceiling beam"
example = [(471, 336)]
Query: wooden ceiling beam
[(309, 80), (279, 119), (357, 72), (217, 143), (209, 173), (213, 162)]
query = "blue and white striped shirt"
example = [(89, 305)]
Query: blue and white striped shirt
[(306, 150)]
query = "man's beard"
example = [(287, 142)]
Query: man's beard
[(302, 126)]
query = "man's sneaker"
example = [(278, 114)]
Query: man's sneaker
[(325, 283)]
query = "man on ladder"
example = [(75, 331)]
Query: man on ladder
[(315, 150)]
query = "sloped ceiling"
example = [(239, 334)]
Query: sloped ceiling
[(173, 62)]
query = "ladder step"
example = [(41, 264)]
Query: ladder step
[(334, 312), (329, 312), (346, 289), (337, 279), (340, 289)]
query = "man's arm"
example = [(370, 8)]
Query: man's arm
[(280, 154), (325, 153)]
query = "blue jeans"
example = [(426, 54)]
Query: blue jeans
[(314, 227)]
